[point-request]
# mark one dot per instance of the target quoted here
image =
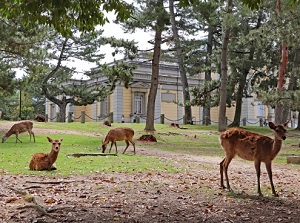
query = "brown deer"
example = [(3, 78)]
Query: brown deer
[(118, 134), (19, 128), (43, 161), (254, 147)]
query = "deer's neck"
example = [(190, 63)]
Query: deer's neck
[(9, 133), (52, 157), (276, 147)]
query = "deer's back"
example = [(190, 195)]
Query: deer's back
[(119, 134), (39, 161), (247, 145), (21, 127)]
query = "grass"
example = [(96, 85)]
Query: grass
[(194, 139)]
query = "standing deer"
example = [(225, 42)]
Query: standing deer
[(19, 128), (43, 161), (253, 147), (118, 134)]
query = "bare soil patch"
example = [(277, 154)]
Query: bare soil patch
[(190, 196)]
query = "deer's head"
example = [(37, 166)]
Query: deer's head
[(55, 144), (279, 130)]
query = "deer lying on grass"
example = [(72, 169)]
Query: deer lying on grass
[(253, 147), (19, 128), (118, 134), (43, 161)]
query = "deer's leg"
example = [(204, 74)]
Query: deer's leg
[(127, 144), (257, 168), (111, 146), (225, 165), (116, 147), (31, 133), (133, 143), (17, 137), (221, 172), (269, 170)]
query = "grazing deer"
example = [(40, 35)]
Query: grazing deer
[(19, 128), (118, 134), (253, 147), (43, 161)]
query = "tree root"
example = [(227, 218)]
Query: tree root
[(35, 204)]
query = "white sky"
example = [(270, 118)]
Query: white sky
[(110, 30)]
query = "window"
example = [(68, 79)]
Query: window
[(139, 103), (104, 106)]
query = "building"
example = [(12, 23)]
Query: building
[(134, 100)]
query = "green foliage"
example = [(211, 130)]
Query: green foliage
[(120, 71), (252, 4), (64, 16), (206, 94)]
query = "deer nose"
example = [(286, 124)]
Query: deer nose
[(283, 137)]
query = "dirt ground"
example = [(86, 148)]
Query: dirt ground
[(190, 196)]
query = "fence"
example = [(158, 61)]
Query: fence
[(162, 119)]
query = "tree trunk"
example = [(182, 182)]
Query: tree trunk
[(298, 124), (182, 71), (279, 117), (155, 72), (224, 69), (239, 99), (62, 112), (206, 108)]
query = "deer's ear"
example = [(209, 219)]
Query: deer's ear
[(50, 140), (272, 125)]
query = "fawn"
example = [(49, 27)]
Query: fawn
[(253, 147), (43, 161), (118, 134), (19, 128)]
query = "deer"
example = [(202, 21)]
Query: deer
[(43, 161), (19, 128), (253, 147), (118, 134)]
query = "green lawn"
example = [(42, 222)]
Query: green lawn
[(193, 139)]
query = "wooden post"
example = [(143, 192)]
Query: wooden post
[(82, 116), (70, 116), (206, 120), (57, 117), (261, 122), (184, 120), (244, 121), (162, 119), (111, 117)]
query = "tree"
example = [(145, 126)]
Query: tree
[(54, 71), (161, 20), (64, 16), (180, 60), (150, 16), (224, 69), (244, 59), (205, 55)]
